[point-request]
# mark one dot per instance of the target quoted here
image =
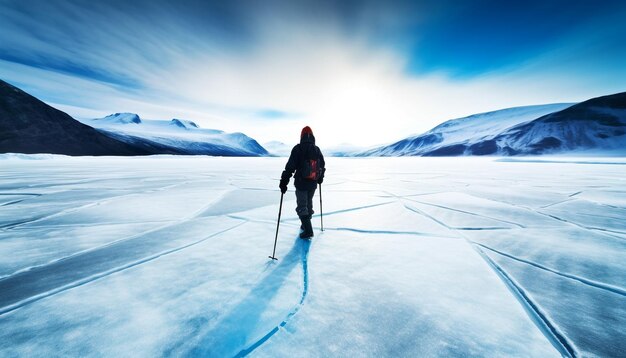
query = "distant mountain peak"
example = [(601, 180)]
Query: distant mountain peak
[(121, 118), (183, 123)]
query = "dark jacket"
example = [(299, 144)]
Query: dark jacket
[(306, 149)]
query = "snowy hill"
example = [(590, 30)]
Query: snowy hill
[(343, 150), (179, 135), (598, 124), (28, 125), (277, 148), (453, 137)]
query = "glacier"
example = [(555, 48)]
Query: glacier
[(168, 256)]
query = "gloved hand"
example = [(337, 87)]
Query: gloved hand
[(283, 185), (320, 180)]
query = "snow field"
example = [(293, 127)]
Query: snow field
[(420, 257)]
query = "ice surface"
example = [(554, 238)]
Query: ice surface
[(168, 256)]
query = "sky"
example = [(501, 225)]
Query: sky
[(357, 72)]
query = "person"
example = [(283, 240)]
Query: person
[(307, 161)]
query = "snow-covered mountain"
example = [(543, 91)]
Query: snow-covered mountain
[(453, 137), (277, 148), (598, 124), (179, 135), (28, 125), (343, 150)]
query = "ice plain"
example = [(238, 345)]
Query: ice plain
[(168, 256)]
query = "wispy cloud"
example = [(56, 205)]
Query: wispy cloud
[(347, 69)]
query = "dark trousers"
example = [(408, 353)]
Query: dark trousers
[(304, 202)]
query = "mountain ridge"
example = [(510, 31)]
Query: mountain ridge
[(597, 124), (451, 136), (180, 135), (30, 126)]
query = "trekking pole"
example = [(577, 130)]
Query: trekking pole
[(280, 209), (321, 211)]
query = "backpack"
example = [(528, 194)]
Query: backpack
[(311, 167)]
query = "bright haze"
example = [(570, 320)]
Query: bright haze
[(359, 72)]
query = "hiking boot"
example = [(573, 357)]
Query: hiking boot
[(306, 227), (302, 225)]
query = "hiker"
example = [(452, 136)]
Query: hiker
[(307, 161)]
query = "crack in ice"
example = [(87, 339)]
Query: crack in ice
[(600, 285), (80, 282), (14, 225), (549, 330)]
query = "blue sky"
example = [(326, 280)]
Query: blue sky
[(360, 72)]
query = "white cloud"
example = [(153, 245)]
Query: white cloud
[(347, 88)]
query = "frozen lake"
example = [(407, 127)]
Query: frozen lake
[(420, 257)]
